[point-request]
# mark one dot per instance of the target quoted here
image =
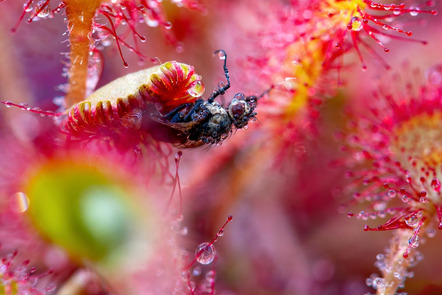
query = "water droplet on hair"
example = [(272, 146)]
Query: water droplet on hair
[(239, 96), (355, 24), (414, 11), (413, 242), (151, 21), (210, 276), (28, 8), (8, 104), (222, 55), (412, 221), (378, 283), (405, 198), (179, 48), (19, 202), (45, 12), (205, 253), (167, 25), (431, 232)]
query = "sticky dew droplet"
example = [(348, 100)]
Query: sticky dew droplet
[(414, 11), (196, 271), (222, 55), (205, 253), (197, 89), (412, 221), (43, 9), (413, 242), (167, 25), (19, 202), (355, 24), (151, 21)]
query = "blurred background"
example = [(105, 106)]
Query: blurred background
[(288, 234)]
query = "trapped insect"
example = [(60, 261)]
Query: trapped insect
[(163, 102)]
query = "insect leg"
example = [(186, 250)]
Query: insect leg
[(172, 115), (221, 90), (265, 92), (193, 110)]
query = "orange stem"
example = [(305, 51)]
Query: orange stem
[(80, 15)]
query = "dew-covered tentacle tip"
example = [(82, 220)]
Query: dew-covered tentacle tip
[(119, 104), (172, 85)]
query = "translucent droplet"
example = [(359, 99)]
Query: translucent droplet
[(167, 25), (205, 253), (179, 47), (8, 104), (413, 242), (431, 232), (150, 21), (239, 96), (355, 24), (220, 233), (45, 12), (378, 206), (222, 54), (28, 8), (196, 271), (414, 11), (19, 202), (412, 221), (391, 193), (197, 89), (380, 256), (378, 283)]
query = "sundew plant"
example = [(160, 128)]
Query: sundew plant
[(220, 147)]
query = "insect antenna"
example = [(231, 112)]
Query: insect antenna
[(25, 107), (221, 90), (176, 182), (266, 92)]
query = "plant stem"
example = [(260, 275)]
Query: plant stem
[(80, 15), (395, 269)]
